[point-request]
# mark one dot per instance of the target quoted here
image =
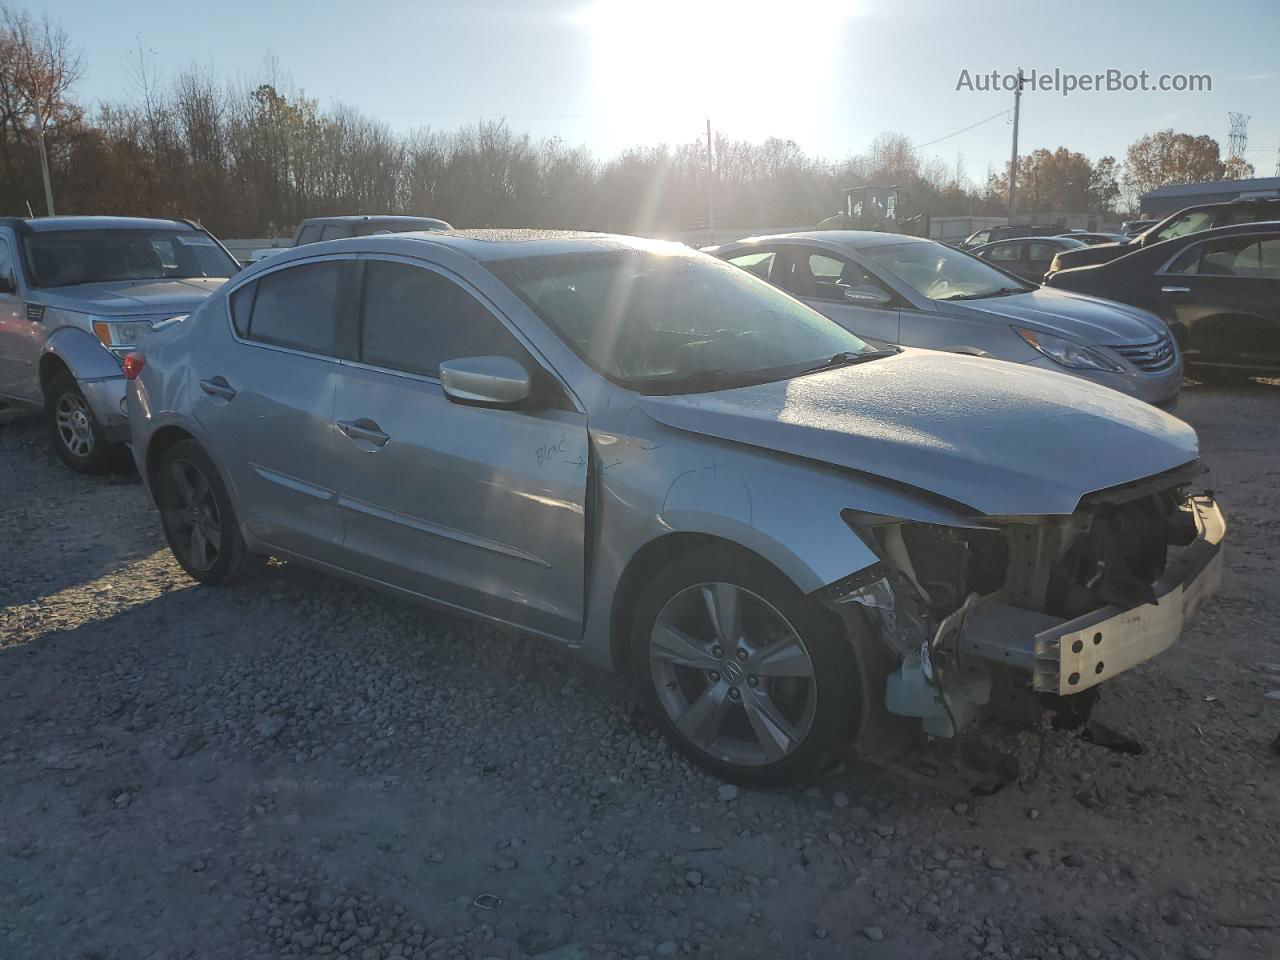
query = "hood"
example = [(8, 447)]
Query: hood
[(1084, 319), (131, 298), (1001, 438)]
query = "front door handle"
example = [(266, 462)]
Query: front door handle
[(1175, 289), (364, 429), (218, 387)]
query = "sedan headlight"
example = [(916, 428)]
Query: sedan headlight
[(1065, 353), (121, 336)]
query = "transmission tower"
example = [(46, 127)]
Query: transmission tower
[(1239, 138)]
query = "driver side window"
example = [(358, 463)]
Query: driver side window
[(818, 275)]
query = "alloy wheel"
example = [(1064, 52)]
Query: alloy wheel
[(196, 523), (75, 424), (732, 674)]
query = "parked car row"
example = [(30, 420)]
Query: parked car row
[(791, 538)]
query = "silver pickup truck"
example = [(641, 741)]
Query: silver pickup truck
[(76, 295)]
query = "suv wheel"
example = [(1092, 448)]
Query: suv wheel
[(744, 675), (73, 428), (196, 513)]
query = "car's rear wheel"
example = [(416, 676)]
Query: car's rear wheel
[(742, 673), (196, 513), (77, 436)]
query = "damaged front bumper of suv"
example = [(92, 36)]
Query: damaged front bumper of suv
[(1008, 615)]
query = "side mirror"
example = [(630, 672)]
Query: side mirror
[(7, 284), (485, 381), (864, 295)]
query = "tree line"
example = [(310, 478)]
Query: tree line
[(253, 159)]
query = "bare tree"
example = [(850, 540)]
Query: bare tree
[(40, 68)]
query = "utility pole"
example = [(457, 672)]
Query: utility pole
[(44, 163), (1013, 161), (711, 187)]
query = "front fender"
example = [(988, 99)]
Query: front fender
[(83, 354), (784, 509)]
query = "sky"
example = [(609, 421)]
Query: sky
[(829, 74)]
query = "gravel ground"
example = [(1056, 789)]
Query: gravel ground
[(297, 767)]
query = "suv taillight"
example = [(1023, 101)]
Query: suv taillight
[(133, 364)]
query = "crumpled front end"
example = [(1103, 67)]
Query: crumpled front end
[(1007, 614)]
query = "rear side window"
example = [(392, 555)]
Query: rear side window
[(335, 231), (413, 319), (241, 307), (310, 234), (1245, 256), (1042, 251), (296, 307)]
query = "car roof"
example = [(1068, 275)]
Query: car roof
[(50, 224), (484, 245), (373, 218), (849, 239)]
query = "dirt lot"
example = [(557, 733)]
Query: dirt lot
[(296, 767)]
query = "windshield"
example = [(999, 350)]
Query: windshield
[(941, 273), (679, 322), (65, 258), (1187, 223)]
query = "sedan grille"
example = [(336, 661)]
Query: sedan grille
[(1150, 356)]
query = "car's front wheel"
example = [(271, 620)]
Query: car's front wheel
[(744, 675), (77, 436), (197, 515)]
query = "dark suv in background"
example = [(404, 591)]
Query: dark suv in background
[(1191, 220)]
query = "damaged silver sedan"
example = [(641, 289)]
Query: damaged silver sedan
[(794, 543)]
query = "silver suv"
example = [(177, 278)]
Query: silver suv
[(788, 538), (76, 294)]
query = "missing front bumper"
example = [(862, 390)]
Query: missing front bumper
[(1066, 657)]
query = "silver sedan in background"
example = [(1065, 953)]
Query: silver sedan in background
[(787, 537), (905, 290)]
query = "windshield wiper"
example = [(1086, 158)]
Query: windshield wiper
[(849, 358), (1002, 292)]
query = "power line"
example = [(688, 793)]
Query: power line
[(929, 143)]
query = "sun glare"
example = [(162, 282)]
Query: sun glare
[(660, 67)]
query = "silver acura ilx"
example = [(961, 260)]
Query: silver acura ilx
[(791, 540)]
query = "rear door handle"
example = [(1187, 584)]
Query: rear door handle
[(218, 387), (364, 429), (1175, 289)]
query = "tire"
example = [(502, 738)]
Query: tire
[(772, 711), (76, 434), (198, 519)]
